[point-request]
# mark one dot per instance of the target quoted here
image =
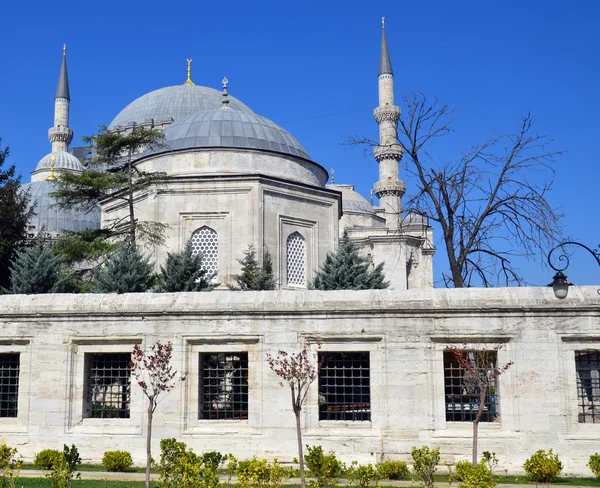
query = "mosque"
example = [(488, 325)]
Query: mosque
[(386, 379), (240, 179)]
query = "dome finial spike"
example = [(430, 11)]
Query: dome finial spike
[(189, 81), (51, 177), (383, 22), (65, 49), (332, 172), (225, 100)]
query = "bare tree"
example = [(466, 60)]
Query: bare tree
[(490, 203), (298, 370), (480, 372), (154, 374)]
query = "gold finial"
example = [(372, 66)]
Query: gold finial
[(383, 22), (51, 177), (64, 49), (189, 81)]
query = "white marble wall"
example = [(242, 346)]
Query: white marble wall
[(404, 331)]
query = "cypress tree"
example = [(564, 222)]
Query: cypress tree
[(126, 271), (183, 271), (37, 269), (254, 277), (346, 269)]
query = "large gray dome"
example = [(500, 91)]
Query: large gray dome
[(173, 102), (55, 219), (229, 128)]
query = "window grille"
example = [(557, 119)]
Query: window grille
[(9, 384), (296, 260), (224, 386), (108, 385), (206, 242), (344, 386), (587, 365), (462, 392)]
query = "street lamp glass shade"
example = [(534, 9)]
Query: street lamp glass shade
[(560, 285)]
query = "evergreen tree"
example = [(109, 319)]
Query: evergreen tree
[(112, 173), (126, 271), (253, 277), (266, 277), (14, 217), (37, 269), (346, 269), (183, 271)]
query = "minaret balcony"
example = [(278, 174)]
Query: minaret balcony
[(60, 134), (390, 187), (388, 151), (387, 113)]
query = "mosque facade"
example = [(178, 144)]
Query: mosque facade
[(386, 381)]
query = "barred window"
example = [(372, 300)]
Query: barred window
[(9, 384), (296, 260), (223, 386), (107, 385), (205, 241), (344, 386), (462, 390), (587, 366)]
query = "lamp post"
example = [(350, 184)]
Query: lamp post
[(560, 284)]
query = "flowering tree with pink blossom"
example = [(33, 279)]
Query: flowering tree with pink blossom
[(480, 371), (298, 370), (155, 376)]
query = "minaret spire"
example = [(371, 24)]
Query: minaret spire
[(60, 135), (389, 189)]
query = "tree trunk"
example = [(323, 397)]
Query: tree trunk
[(482, 392), (300, 451), (132, 228), (148, 443)]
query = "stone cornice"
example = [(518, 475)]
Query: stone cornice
[(390, 151)]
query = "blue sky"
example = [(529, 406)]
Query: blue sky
[(311, 67)]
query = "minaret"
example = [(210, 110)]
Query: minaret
[(389, 189), (60, 135)]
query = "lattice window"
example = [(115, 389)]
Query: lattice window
[(9, 384), (206, 242), (107, 385), (462, 392), (344, 386), (587, 365), (296, 260), (224, 386)]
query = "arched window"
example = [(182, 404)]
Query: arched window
[(205, 240), (296, 260)]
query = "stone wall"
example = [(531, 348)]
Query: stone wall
[(405, 333)]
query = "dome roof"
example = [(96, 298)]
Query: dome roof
[(352, 201), (55, 219), (174, 102), (63, 160), (229, 128)]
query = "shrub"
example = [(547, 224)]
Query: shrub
[(214, 458), (47, 458), (180, 467), (10, 466), (324, 468), (363, 475), (479, 476), (425, 461), (258, 473), (594, 464), (64, 470), (543, 466), (393, 470), (117, 460)]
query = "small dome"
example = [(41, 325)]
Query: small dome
[(55, 219), (173, 102), (63, 161), (228, 128), (352, 201)]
